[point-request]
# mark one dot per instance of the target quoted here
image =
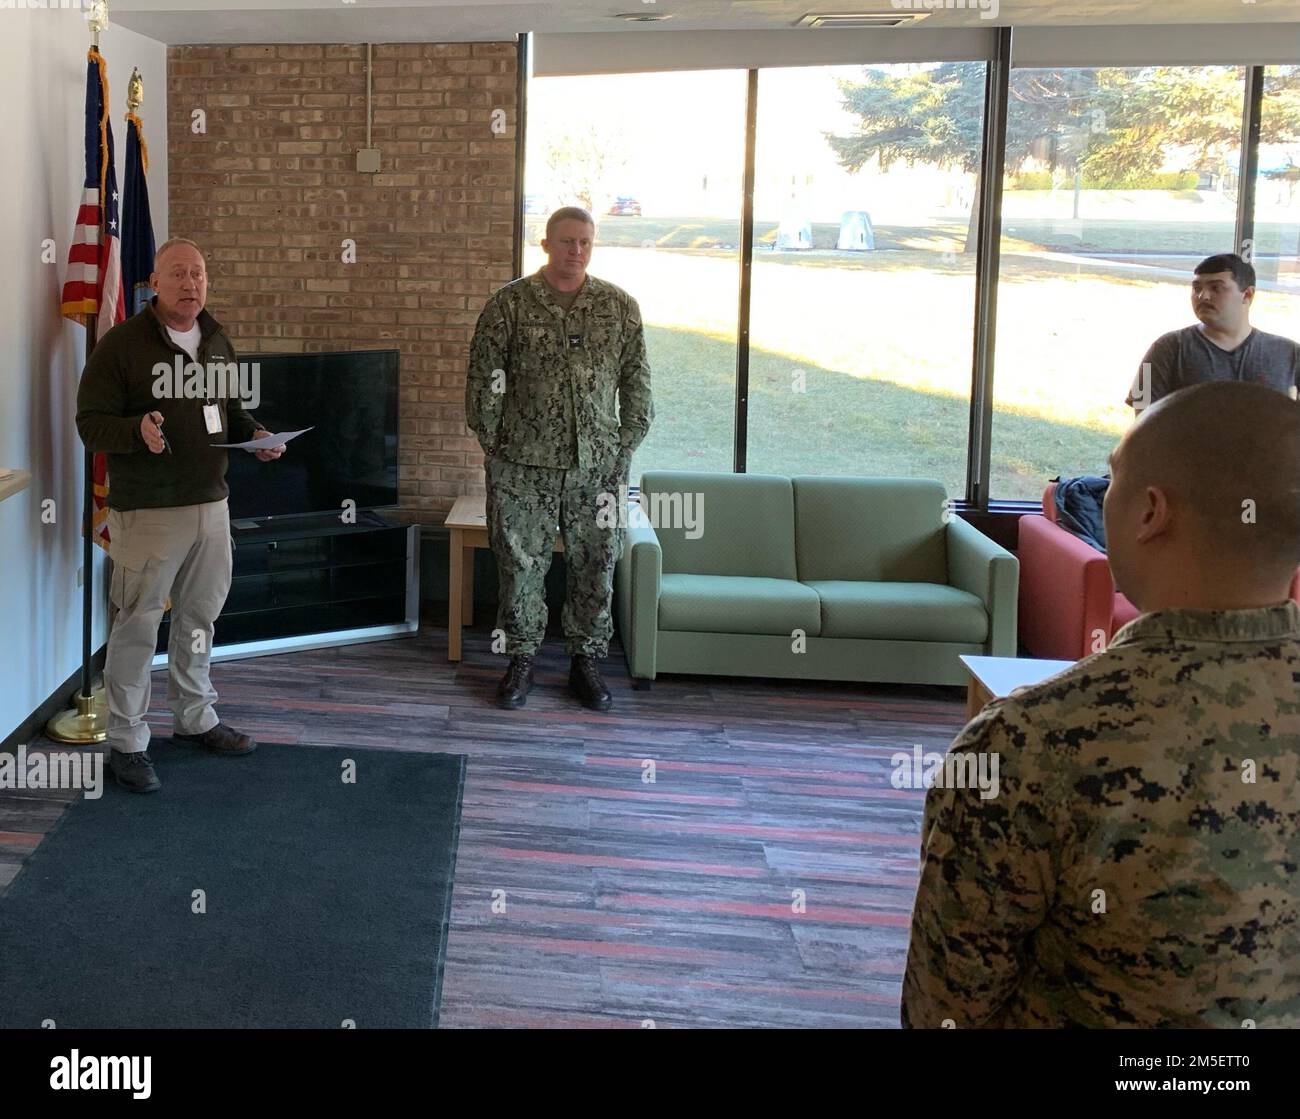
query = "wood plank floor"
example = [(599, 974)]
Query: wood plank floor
[(763, 878)]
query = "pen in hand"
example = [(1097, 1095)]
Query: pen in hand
[(151, 430)]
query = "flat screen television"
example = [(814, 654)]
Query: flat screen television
[(351, 401)]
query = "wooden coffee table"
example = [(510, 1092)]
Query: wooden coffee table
[(468, 524), (995, 677)]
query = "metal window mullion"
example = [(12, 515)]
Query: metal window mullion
[(741, 443), (522, 66), (1248, 169), (987, 261)]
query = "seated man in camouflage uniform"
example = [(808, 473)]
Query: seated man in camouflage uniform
[(1138, 865), (558, 394)]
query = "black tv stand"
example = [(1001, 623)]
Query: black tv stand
[(364, 518), (313, 581)]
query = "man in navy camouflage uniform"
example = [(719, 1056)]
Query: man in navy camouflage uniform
[(558, 395), (1140, 863)]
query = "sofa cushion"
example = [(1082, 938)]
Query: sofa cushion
[(722, 524), (870, 529), (737, 604), (901, 612)]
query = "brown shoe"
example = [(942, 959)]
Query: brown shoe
[(134, 771), (515, 685), (221, 739)]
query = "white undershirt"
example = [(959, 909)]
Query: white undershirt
[(187, 340)]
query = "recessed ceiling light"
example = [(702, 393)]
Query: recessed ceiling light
[(644, 17), (860, 19)]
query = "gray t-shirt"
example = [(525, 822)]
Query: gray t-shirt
[(1186, 357)]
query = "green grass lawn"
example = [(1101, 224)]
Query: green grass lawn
[(861, 363), (840, 424)]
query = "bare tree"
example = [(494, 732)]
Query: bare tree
[(585, 162)]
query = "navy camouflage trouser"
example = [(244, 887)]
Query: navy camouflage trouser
[(525, 504)]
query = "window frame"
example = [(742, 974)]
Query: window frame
[(1044, 46)]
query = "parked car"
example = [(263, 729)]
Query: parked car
[(625, 206)]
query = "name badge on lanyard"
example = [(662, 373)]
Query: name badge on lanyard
[(212, 418)]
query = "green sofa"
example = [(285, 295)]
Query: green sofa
[(822, 578)]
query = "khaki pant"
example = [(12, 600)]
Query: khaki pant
[(182, 553)]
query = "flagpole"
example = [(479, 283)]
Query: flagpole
[(87, 722)]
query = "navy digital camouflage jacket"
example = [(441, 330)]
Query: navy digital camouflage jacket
[(548, 388)]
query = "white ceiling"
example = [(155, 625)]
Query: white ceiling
[(390, 21)]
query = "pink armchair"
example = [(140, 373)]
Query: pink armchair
[(1067, 594)]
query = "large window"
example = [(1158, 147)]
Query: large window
[(862, 316), (1118, 181), (1276, 248), (657, 159)]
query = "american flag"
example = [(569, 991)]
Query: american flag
[(93, 290)]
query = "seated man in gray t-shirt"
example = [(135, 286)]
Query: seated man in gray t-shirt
[(1223, 346)]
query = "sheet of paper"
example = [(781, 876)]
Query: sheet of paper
[(265, 443)]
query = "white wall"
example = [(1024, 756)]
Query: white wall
[(42, 87)]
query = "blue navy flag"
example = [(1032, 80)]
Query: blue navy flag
[(137, 225)]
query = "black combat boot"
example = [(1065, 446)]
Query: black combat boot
[(515, 685), (586, 684)]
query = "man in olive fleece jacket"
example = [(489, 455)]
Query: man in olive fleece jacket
[(168, 520)]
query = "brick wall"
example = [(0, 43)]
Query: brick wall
[(270, 191)]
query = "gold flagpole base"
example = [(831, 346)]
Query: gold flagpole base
[(82, 725)]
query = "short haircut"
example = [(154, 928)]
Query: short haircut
[(568, 213), (1227, 454), (1242, 272), (171, 243)]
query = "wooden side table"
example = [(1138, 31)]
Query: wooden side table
[(468, 524)]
